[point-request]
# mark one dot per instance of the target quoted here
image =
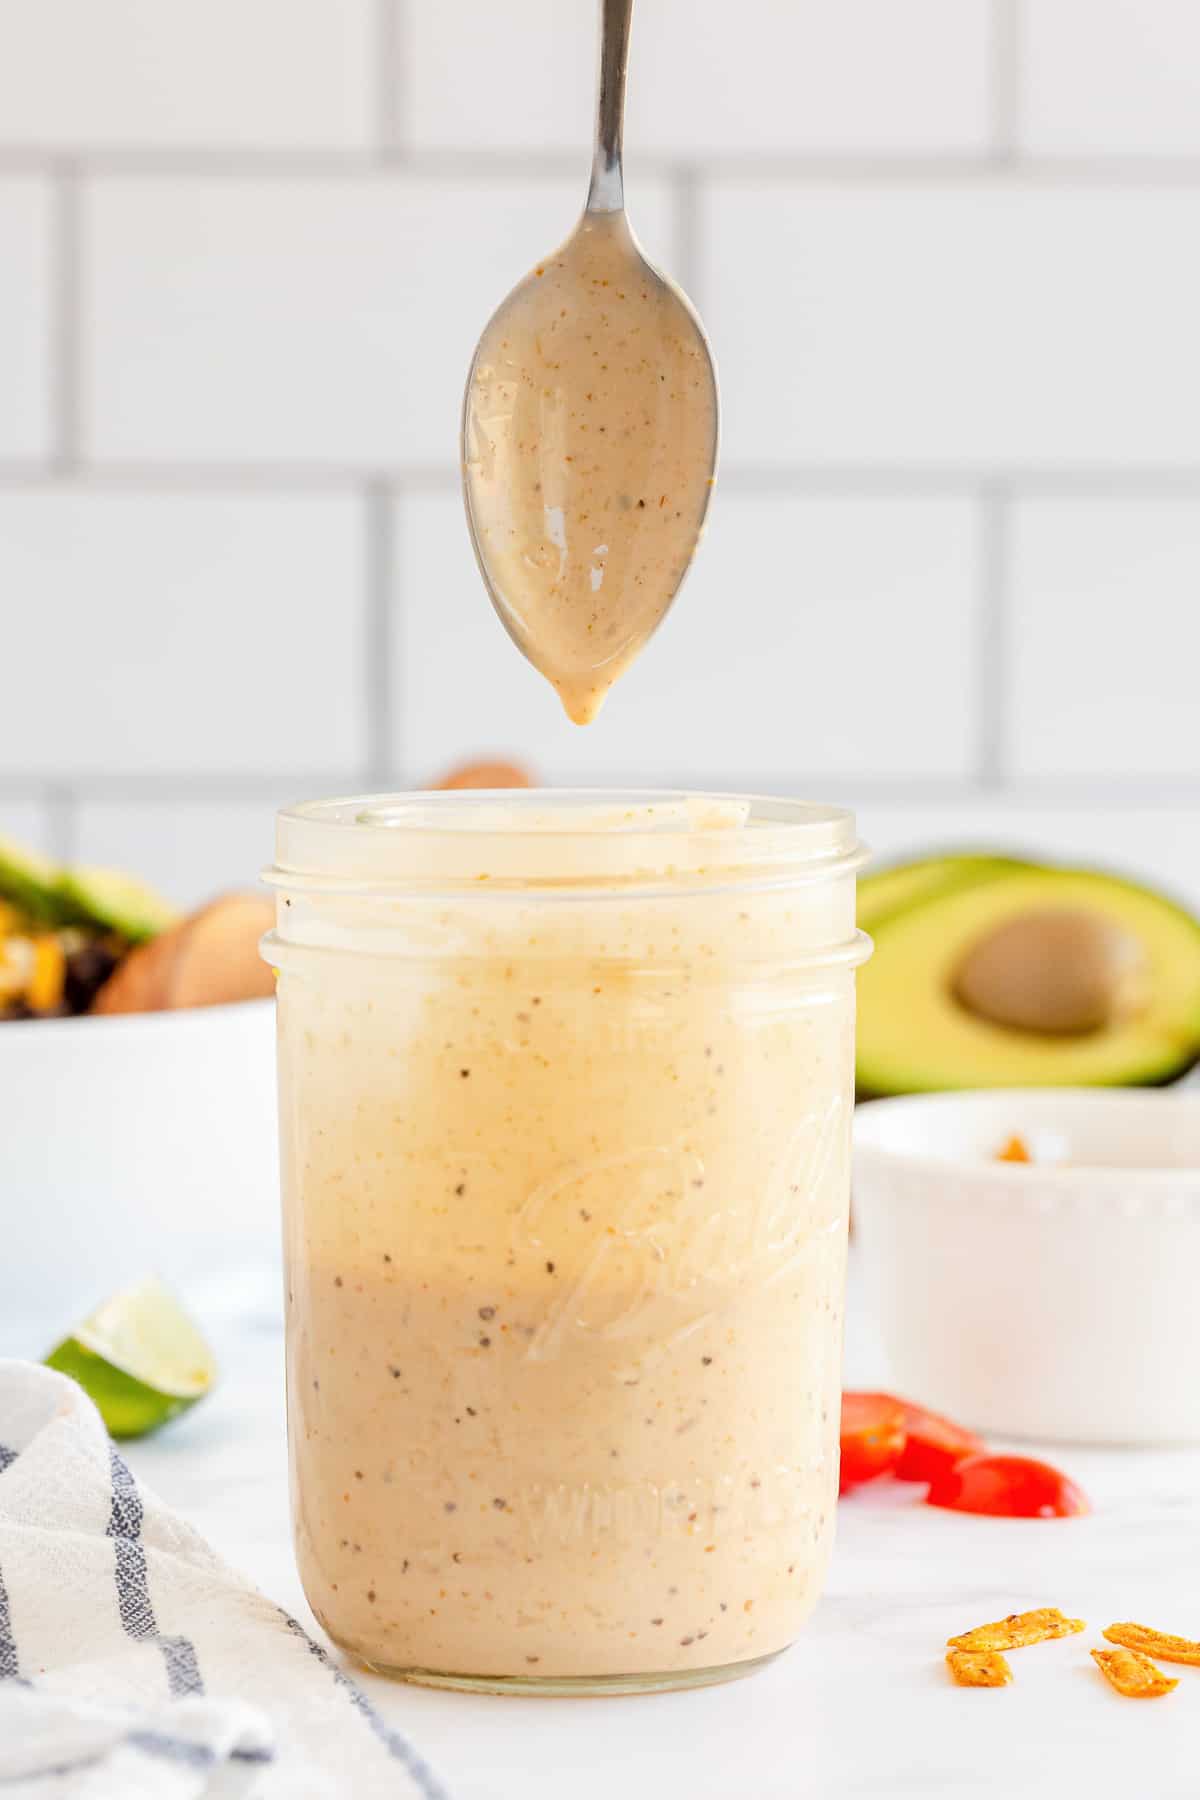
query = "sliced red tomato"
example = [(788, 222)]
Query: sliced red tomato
[(933, 1444), (1010, 1487), (872, 1437)]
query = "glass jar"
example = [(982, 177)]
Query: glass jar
[(565, 1095)]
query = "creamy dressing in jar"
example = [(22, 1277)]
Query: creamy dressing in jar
[(566, 1087)]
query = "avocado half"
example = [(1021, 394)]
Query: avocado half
[(901, 885), (104, 899), (917, 1034), (31, 883), (118, 902)]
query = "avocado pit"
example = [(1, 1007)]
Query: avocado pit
[(1064, 972)]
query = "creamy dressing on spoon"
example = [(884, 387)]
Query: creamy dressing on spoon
[(590, 433)]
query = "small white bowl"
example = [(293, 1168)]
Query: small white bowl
[(1056, 1301), (128, 1145)]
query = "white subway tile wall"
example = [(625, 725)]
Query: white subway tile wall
[(781, 655), (27, 822), (1158, 842), (1106, 635), (27, 274), (1111, 76), (189, 852), (188, 632), (948, 256), (772, 75), (970, 324), (85, 74), (318, 320)]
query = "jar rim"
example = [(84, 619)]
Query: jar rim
[(565, 839)]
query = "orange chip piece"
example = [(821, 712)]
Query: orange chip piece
[(978, 1668), (1017, 1630), (1154, 1643), (1016, 1150), (1133, 1674)]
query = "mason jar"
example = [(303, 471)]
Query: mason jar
[(565, 1094)]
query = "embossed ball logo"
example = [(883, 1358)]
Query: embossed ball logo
[(646, 1245)]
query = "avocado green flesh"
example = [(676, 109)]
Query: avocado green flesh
[(31, 883), (915, 1037), (117, 902), (102, 898), (903, 885)]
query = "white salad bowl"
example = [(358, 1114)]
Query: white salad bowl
[(1058, 1299), (129, 1145)]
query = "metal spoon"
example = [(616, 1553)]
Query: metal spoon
[(589, 434)]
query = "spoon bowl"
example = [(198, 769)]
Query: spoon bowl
[(589, 436)]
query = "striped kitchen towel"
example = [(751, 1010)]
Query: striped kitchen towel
[(134, 1664)]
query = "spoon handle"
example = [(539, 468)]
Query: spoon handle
[(607, 192)]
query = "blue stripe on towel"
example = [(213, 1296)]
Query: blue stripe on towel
[(151, 1743), (133, 1582), (10, 1667), (174, 1749), (185, 1750), (394, 1742)]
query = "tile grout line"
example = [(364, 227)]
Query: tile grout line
[(859, 480), (388, 36), (1167, 790), (196, 784), (67, 330), (688, 231), (994, 647), (853, 168), (61, 805), (1004, 99), (378, 638)]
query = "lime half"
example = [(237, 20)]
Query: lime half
[(140, 1358)]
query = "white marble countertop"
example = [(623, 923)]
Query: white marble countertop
[(861, 1706)]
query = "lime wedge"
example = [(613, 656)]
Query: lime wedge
[(140, 1358)]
